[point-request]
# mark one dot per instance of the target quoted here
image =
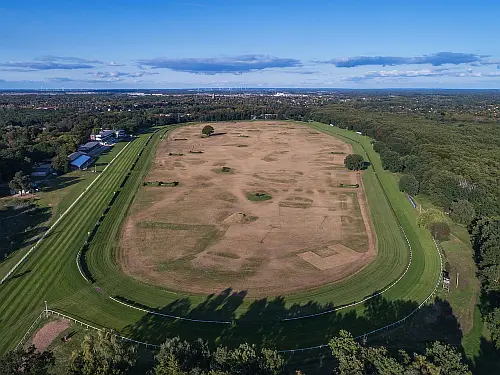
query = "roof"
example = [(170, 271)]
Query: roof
[(89, 145), (41, 168), (105, 133), (81, 160), (75, 155)]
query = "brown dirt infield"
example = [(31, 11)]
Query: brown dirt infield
[(205, 235), (48, 333)]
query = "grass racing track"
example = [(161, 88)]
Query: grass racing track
[(54, 275)]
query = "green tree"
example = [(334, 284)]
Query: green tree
[(208, 130), (493, 320), (432, 215), (347, 355), (188, 356), (409, 184), (354, 162), (168, 365), (247, 360), (447, 359), (391, 161), (20, 182), (29, 362), (462, 212), (440, 230), (60, 162), (350, 358), (103, 354)]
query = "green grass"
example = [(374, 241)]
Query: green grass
[(54, 276), (464, 297)]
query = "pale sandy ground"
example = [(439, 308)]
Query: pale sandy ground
[(48, 333), (205, 235)]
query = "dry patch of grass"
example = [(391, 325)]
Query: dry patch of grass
[(277, 225)]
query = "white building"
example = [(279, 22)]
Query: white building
[(103, 136)]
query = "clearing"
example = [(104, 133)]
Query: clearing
[(274, 221)]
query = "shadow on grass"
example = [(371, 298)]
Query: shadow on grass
[(262, 323), (488, 360), (61, 182), (20, 226)]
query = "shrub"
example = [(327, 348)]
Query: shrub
[(354, 162), (258, 197), (208, 130), (440, 230)]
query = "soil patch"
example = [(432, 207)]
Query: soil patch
[(202, 237), (48, 333)]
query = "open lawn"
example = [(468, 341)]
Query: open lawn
[(51, 273), (275, 222)]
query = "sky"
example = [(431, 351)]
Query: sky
[(249, 43)]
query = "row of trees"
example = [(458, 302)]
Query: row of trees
[(104, 354), (485, 235)]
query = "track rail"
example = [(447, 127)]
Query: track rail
[(51, 228)]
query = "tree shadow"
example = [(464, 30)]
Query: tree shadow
[(61, 182), (487, 361), (20, 227), (264, 323), (432, 322), (17, 276)]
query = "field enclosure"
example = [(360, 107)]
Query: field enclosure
[(51, 273), (259, 207)]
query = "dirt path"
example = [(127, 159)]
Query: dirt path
[(48, 333)]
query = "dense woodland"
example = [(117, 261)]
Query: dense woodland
[(444, 145)]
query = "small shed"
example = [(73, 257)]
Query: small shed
[(41, 171)]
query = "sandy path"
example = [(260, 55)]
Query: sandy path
[(48, 333)]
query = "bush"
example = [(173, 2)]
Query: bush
[(258, 197), (354, 162), (208, 130), (409, 184), (440, 230)]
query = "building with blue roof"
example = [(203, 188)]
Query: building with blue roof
[(81, 162)]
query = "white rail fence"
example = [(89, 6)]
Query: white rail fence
[(51, 228), (46, 312)]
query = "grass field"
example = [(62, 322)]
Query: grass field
[(55, 198), (51, 273)]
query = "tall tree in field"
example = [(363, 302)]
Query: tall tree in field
[(208, 130), (103, 354), (29, 362), (409, 184), (354, 162)]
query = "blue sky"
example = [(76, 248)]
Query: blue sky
[(243, 43)]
